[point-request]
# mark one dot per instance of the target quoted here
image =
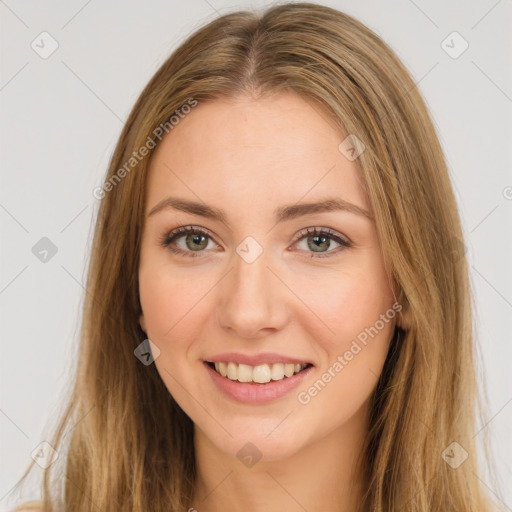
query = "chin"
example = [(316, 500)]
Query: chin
[(250, 441)]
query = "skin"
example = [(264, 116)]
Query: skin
[(247, 157)]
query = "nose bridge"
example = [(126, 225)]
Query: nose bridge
[(250, 298)]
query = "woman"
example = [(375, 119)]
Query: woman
[(278, 313)]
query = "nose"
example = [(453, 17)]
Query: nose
[(252, 300)]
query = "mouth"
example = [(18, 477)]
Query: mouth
[(258, 375)]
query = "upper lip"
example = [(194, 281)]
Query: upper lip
[(256, 359)]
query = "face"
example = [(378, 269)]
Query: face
[(249, 275)]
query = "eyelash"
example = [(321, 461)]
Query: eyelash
[(168, 238)]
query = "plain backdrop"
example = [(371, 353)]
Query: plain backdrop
[(61, 115)]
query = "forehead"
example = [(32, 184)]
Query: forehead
[(263, 152)]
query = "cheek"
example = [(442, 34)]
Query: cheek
[(346, 303), (360, 314), (175, 313), (355, 308), (173, 303)]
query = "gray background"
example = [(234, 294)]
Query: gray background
[(61, 116)]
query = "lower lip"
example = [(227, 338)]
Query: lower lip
[(257, 393)]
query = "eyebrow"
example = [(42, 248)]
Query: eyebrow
[(281, 214)]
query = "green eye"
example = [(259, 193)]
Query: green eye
[(319, 241), (196, 239)]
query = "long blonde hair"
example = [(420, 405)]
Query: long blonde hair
[(126, 444)]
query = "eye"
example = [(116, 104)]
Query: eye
[(318, 239), (195, 240)]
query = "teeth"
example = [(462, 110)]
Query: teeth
[(277, 372), (232, 371), (244, 373), (289, 369), (223, 369), (260, 374)]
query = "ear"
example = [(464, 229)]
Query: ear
[(142, 322), (402, 307), (404, 320)]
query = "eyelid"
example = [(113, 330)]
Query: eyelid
[(313, 230)]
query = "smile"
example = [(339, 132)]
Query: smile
[(260, 374), (255, 384)]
